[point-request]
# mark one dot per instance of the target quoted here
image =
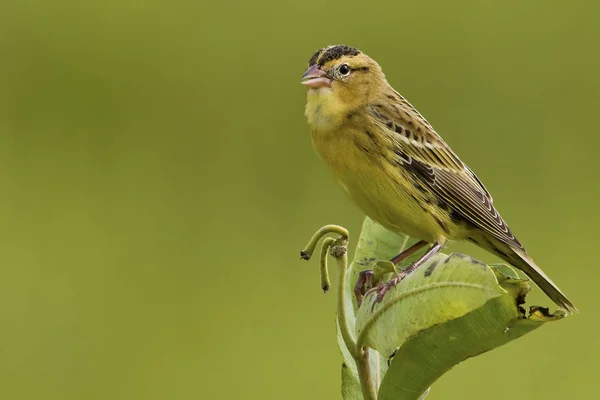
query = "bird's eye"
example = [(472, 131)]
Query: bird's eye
[(344, 69)]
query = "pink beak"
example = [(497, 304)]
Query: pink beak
[(315, 77)]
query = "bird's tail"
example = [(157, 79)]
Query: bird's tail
[(535, 273), (519, 259)]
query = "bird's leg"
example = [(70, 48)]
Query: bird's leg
[(434, 249), (364, 283), (408, 252), (365, 278)]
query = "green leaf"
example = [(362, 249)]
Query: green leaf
[(350, 385), (444, 288), (351, 389), (452, 308), (427, 355)]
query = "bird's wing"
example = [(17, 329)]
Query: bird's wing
[(423, 153)]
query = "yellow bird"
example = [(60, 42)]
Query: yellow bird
[(398, 170)]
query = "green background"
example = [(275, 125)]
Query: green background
[(157, 183)]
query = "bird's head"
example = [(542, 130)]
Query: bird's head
[(340, 79)]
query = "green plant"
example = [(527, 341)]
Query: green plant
[(451, 308)]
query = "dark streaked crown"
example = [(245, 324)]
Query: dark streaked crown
[(332, 53)]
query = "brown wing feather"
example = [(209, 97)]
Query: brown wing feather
[(415, 135), (429, 159)]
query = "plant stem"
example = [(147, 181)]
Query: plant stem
[(337, 248), (325, 283), (312, 244), (364, 374), (345, 329), (360, 355)]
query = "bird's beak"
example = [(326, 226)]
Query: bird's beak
[(315, 77)]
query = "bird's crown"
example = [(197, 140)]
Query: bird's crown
[(332, 53)]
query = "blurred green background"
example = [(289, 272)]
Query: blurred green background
[(157, 182)]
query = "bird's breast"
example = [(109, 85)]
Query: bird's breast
[(381, 188)]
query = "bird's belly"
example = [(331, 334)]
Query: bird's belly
[(394, 204)]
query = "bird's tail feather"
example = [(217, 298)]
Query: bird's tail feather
[(519, 259), (522, 261)]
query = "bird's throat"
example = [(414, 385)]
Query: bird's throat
[(324, 111)]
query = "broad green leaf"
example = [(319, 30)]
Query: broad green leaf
[(450, 309), (350, 386), (444, 288), (427, 355)]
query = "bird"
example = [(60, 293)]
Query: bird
[(395, 167)]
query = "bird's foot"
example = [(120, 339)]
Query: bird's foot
[(388, 286), (364, 283)]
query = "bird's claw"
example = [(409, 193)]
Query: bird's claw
[(381, 292), (364, 283)]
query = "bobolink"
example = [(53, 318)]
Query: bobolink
[(398, 170)]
